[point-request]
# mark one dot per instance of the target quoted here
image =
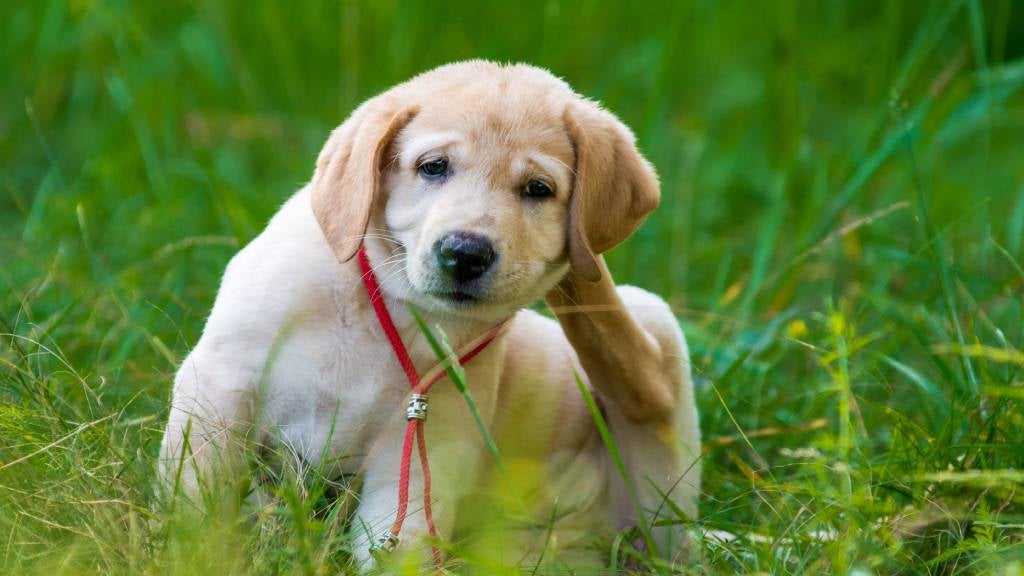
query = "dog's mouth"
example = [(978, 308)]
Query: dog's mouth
[(455, 296), (460, 294)]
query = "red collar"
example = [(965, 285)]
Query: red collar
[(415, 412)]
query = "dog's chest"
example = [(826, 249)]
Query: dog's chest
[(331, 385)]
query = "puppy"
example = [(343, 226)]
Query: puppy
[(475, 189)]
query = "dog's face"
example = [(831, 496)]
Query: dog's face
[(477, 200), (476, 186)]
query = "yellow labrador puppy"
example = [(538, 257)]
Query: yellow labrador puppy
[(475, 189)]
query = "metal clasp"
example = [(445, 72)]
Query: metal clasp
[(384, 542), (417, 407)]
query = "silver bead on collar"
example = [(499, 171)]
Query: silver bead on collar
[(417, 407)]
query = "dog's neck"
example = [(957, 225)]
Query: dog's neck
[(455, 329)]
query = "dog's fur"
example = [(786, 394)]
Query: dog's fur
[(292, 355)]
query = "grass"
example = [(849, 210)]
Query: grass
[(842, 235)]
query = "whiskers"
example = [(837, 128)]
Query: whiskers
[(390, 238), (392, 270)]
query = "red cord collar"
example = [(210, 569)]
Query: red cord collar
[(416, 411)]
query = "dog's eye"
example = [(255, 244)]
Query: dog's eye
[(538, 189), (434, 168)]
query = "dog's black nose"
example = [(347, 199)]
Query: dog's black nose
[(463, 256)]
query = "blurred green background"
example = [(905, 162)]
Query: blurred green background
[(841, 233)]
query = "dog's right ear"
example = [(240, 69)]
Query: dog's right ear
[(349, 173)]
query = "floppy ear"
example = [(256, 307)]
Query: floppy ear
[(349, 173), (614, 190)]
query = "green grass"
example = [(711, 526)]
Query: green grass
[(842, 235)]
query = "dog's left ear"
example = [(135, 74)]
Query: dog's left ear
[(614, 190), (349, 172)]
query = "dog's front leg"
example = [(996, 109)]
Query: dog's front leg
[(378, 502), (203, 451), (455, 449), (623, 360)]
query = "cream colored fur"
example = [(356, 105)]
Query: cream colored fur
[(292, 357)]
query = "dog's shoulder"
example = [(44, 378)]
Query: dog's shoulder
[(283, 275)]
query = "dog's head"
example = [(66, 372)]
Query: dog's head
[(476, 186)]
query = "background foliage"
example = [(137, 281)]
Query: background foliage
[(842, 235)]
